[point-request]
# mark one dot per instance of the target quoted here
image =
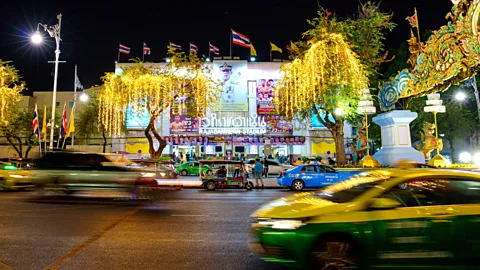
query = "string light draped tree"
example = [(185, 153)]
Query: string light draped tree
[(326, 79), (10, 88), (155, 90)]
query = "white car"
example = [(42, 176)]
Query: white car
[(274, 167)]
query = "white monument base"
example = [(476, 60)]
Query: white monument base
[(396, 140)]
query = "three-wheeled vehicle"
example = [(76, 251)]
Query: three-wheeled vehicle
[(225, 174)]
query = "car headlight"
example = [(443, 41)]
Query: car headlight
[(18, 176), (281, 224)]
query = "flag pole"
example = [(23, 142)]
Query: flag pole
[(118, 58), (143, 54), (270, 51), (60, 129), (418, 27), (209, 52), (231, 41), (39, 138), (74, 101), (45, 134)]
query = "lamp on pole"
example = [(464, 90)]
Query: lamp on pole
[(366, 107), (53, 31)]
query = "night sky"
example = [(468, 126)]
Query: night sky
[(91, 31)]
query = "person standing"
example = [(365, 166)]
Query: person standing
[(257, 171), (265, 168)]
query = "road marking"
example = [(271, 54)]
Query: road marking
[(51, 209), (189, 215), (4, 267), (57, 264)]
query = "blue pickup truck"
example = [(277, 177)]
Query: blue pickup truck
[(312, 176)]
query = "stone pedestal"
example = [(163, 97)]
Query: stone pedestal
[(396, 140)]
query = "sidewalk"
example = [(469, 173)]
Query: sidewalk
[(194, 182), (270, 182)]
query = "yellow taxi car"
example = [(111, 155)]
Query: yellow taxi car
[(11, 178), (391, 218)]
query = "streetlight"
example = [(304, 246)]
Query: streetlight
[(53, 31), (83, 97), (460, 96)]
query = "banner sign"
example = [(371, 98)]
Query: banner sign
[(233, 125), (235, 89), (277, 125), (265, 95), (235, 140), (180, 123)]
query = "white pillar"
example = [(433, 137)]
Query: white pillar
[(396, 140)]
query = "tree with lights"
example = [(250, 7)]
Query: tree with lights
[(327, 78), (10, 89), (330, 67), (154, 91)]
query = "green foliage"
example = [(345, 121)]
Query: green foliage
[(366, 32), (19, 133)]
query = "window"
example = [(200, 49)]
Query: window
[(57, 104), (308, 169), (430, 192), (272, 162), (240, 149), (326, 169)]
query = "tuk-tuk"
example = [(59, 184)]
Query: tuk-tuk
[(225, 174)]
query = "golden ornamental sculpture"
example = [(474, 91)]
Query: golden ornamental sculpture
[(450, 56)]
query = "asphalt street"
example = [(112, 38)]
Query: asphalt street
[(186, 229)]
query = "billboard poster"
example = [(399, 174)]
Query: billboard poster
[(287, 140), (137, 120), (316, 123), (180, 122), (277, 124), (265, 96), (234, 95)]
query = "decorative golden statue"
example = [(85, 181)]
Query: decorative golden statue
[(429, 141), (415, 48)]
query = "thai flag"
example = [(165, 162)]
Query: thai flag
[(124, 49), (175, 46), (63, 125), (146, 49), (35, 125), (214, 49), (193, 48), (240, 39)]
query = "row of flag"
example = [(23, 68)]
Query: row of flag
[(147, 51), (237, 39), (66, 128)]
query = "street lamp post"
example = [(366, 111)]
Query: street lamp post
[(366, 107), (53, 31), (435, 105)]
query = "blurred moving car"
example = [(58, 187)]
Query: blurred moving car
[(12, 178), (394, 218), (193, 168), (70, 172), (312, 176), (274, 167)]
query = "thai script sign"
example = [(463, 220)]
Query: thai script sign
[(233, 125)]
